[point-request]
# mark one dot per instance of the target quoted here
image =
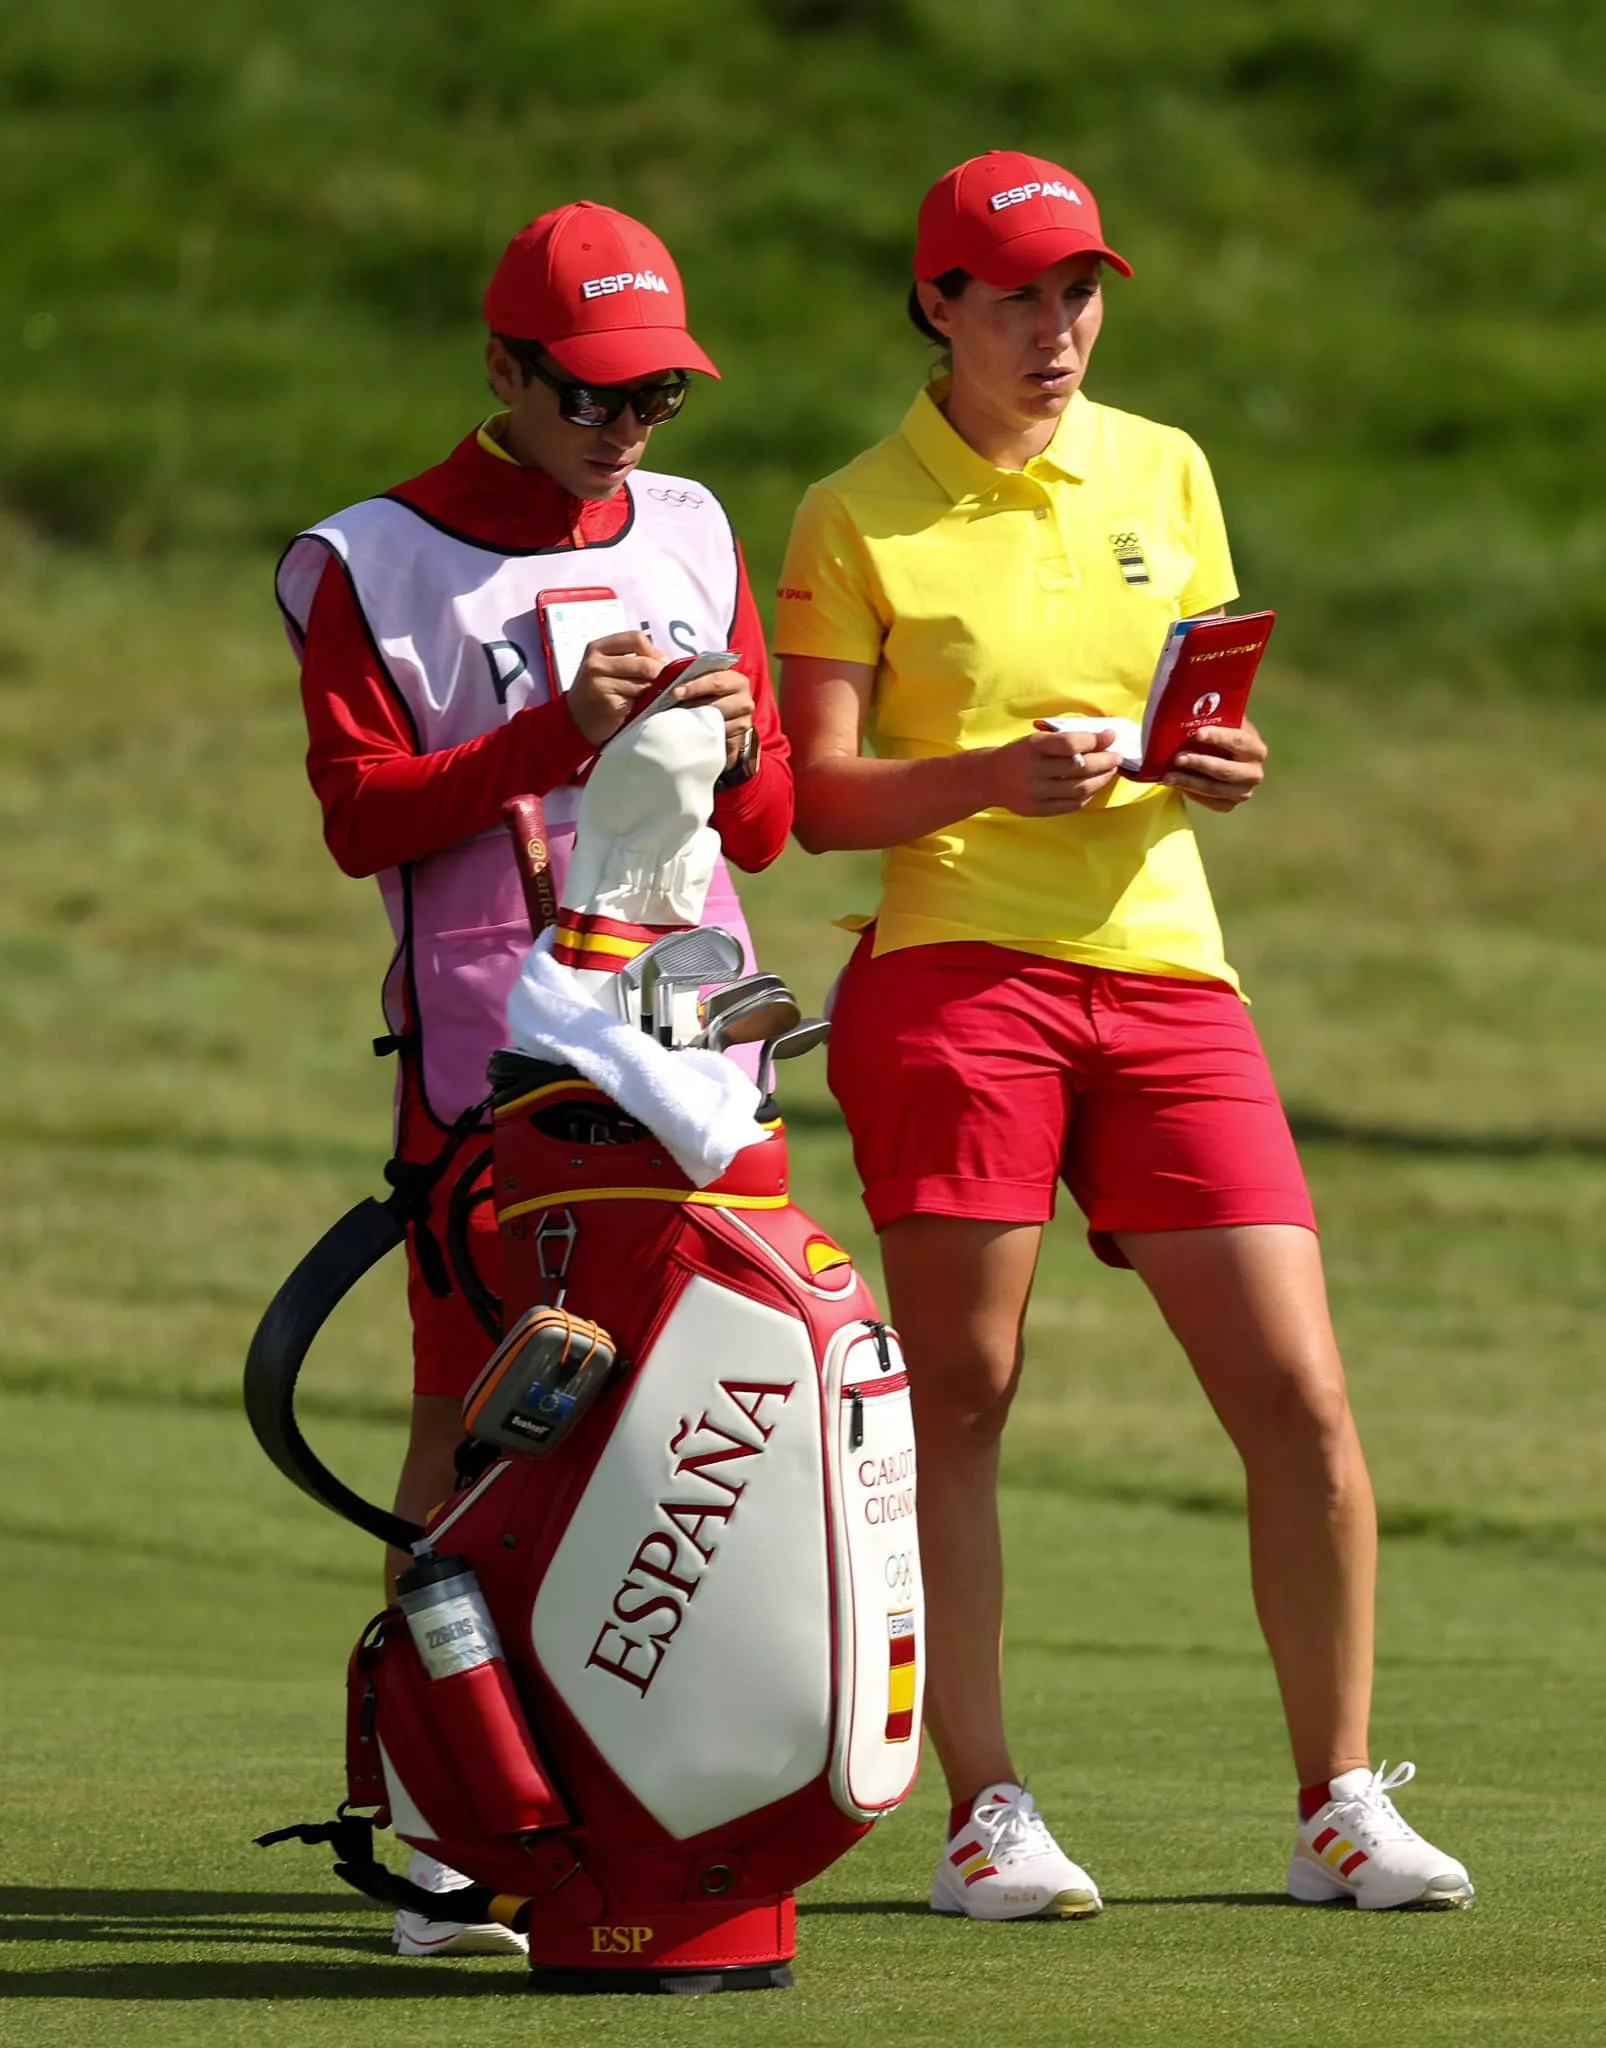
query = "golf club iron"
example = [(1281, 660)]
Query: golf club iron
[(766, 1013), (668, 1026), (627, 982), (788, 1045), (701, 953), (718, 1000)]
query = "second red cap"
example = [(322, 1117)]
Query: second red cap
[(599, 291), (1006, 218)]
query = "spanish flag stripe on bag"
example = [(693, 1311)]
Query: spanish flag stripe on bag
[(900, 1677)]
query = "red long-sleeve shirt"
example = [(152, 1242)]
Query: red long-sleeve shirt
[(384, 803)]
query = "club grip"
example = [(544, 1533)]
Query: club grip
[(526, 827)]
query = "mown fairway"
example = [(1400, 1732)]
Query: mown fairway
[(239, 286), (187, 1100)]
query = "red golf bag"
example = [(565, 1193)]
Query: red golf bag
[(693, 1677)]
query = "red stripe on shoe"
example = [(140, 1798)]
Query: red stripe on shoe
[(1352, 1863), (1327, 1835), (990, 1870), (963, 1855)]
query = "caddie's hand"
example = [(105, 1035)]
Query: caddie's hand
[(730, 691), (1048, 774), (1221, 767), (612, 675)]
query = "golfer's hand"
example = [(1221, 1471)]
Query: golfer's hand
[(1048, 774), (732, 695), (613, 673), (1221, 767)]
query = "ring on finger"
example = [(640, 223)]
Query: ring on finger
[(1077, 762)]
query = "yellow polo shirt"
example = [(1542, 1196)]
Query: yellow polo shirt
[(986, 598)]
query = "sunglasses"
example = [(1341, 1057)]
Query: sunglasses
[(599, 405)]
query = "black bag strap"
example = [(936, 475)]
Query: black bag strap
[(413, 1181), (305, 1302), (352, 1837)]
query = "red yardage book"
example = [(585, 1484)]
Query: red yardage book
[(1202, 678)]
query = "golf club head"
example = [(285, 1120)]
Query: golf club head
[(768, 1013), (627, 982), (730, 993), (701, 953), (789, 1045), (676, 1013), (734, 996)]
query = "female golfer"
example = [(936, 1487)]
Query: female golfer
[(1043, 996)]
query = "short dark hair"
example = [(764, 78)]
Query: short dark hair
[(951, 284), (524, 352)]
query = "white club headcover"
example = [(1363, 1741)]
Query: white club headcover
[(644, 851)]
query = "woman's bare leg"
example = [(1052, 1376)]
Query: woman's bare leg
[(428, 1473), (957, 1292), (1249, 1306)]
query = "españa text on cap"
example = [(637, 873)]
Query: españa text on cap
[(623, 281), (1017, 195)]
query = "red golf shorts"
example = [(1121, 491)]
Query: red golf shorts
[(974, 1078), (449, 1346)]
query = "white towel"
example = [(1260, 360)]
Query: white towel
[(700, 1105)]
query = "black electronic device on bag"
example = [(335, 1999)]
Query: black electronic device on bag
[(539, 1381)]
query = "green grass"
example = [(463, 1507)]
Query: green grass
[(186, 1100), (245, 247), (209, 1709), (238, 287)]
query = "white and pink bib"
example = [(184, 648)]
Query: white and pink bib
[(454, 622)]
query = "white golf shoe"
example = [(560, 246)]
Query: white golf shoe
[(1005, 1865), (413, 1935), (1358, 1846)]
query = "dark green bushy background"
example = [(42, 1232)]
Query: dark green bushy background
[(244, 249)]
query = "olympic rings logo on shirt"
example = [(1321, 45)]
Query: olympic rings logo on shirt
[(900, 1572), (666, 497)]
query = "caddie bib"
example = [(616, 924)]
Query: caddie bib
[(454, 622)]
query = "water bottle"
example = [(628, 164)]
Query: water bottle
[(447, 1616), (471, 1701)]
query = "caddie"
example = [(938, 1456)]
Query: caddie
[(417, 616)]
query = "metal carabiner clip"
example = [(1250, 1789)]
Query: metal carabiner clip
[(555, 1237)]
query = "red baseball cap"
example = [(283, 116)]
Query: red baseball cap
[(599, 292), (1006, 218)]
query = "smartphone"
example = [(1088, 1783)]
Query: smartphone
[(569, 621)]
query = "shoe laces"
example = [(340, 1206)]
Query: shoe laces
[(1014, 1827), (1374, 1811)]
